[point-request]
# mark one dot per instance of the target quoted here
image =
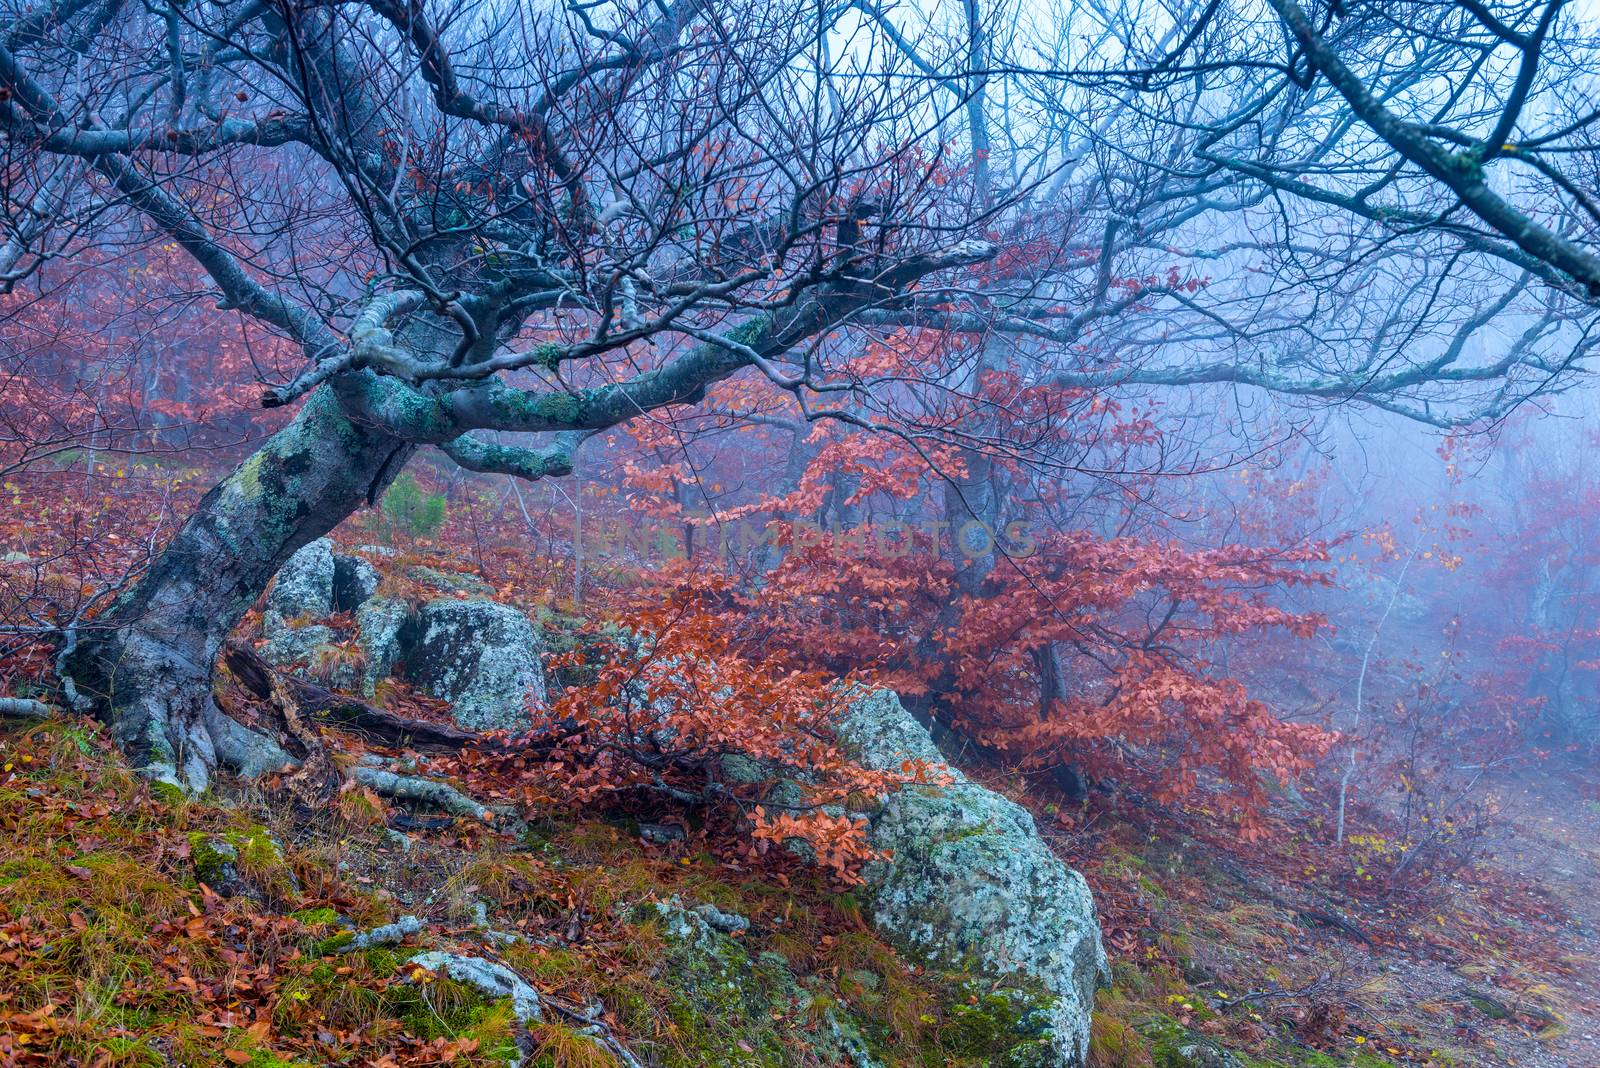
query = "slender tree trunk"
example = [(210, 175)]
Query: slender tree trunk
[(148, 664)]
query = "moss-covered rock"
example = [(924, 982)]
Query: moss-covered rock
[(729, 1001), (215, 860), (246, 862), (969, 882)]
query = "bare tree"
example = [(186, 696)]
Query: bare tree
[(470, 218)]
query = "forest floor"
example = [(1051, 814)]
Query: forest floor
[(1283, 954), (1555, 842), (112, 952), (143, 929)]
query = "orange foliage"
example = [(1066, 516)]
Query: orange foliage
[(670, 710)]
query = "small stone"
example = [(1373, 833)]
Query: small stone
[(726, 922), (661, 833), (1201, 1055), (494, 980)]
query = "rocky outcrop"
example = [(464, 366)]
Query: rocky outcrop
[(480, 656), (970, 883), (724, 983), (302, 594)]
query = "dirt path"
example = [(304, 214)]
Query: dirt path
[(1553, 840)]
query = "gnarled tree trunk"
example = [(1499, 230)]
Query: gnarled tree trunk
[(148, 663)]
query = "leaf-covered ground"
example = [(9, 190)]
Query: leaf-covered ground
[(115, 949), (1289, 953)]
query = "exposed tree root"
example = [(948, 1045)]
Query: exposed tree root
[(389, 934), (26, 708), (366, 720), (432, 792), (591, 1024)]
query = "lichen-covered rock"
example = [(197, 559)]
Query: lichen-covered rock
[(294, 643), (449, 581), (380, 628), (304, 585), (494, 980), (722, 985), (969, 882), (354, 581), (301, 594), (480, 656), (1205, 1055)]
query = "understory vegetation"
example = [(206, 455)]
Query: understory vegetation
[(783, 534)]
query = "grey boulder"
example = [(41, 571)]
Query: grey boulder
[(970, 883), (380, 632), (302, 592), (354, 581), (480, 656)]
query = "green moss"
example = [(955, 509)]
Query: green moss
[(256, 848), (263, 1059), (333, 943), (384, 962), (132, 1051), (316, 917), (1005, 1028), (444, 1008), (1489, 1007), (1166, 1036), (213, 858), (251, 854)]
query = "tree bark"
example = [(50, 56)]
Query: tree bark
[(148, 663)]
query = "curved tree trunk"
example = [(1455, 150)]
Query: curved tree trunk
[(148, 663)]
